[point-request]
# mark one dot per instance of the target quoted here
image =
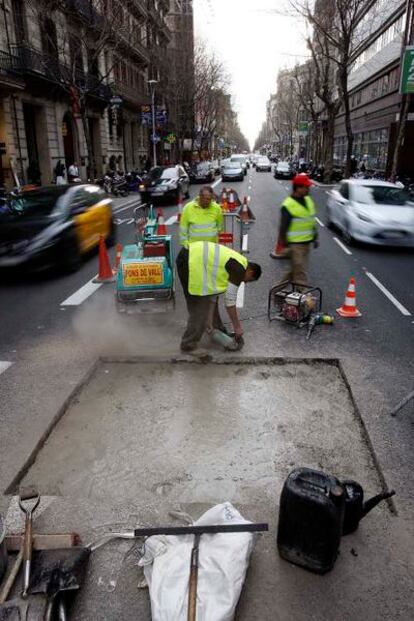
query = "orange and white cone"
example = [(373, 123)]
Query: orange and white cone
[(161, 226), (118, 255), (349, 307), (244, 214), (232, 202), (224, 203), (180, 209), (280, 251), (105, 273)]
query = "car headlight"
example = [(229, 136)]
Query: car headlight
[(142, 186)]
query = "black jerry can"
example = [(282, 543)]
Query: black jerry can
[(311, 515)]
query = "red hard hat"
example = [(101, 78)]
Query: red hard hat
[(302, 179)]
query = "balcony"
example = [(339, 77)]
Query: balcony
[(34, 64), (141, 52), (160, 23), (134, 96), (9, 67), (85, 10)]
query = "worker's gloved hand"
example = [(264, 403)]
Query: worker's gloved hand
[(316, 243)]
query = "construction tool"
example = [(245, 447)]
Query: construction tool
[(28, 502), (293, 303), (317, 319)]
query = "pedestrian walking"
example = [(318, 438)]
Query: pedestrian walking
[(73, 172), (207, 270), (202, 219), (59, 173), (298, 229)]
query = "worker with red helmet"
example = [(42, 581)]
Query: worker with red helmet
[(298, 228)]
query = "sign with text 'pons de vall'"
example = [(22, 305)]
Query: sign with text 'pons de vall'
[(407, 71)]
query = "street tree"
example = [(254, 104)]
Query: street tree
[(337, 39)]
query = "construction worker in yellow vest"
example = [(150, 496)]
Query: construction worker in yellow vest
[(207, 270), (298, 229), (202, 219)]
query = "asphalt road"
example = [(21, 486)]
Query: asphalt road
[(41, 359)]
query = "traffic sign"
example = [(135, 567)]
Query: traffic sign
[(407, 71), (155, 138)]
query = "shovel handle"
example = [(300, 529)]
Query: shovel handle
[(192, 593)]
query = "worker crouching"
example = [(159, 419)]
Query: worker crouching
[(207, 270)]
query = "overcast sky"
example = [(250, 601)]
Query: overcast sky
[(254, 44)]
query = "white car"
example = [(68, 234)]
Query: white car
[(263, 163), (240, 159), (371, 211), (232, 171)]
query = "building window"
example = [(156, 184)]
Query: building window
[(381, 41)]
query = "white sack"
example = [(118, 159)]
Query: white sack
[(223, 562)]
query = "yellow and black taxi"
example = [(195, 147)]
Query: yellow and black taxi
[(54, 225)]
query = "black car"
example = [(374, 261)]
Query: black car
[(53, 225), (203, 172), (165, 183), (283, 170)]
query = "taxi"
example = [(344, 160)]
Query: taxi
[(54, 226)]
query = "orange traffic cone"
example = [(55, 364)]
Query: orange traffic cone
[(244, 214), (117, 257), (180, 208), (105, 271), (349, 308), (161, 228), (232, 202), (224, 203), (280, 251)]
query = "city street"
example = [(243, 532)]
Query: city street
[(56, 327)]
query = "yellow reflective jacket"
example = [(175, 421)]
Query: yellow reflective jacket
[(198, 224), (207, 274)]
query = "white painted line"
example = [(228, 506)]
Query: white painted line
[(82, 294), (240, 296), (245, 243), (171, 220), (248, 198), (389, 295), (320, 222), (4, 365), (126, 207), (219, 180), (341, 245)]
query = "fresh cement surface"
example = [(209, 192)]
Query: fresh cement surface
[(143, 439)]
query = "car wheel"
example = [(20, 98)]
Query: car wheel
[(69, 255), (111, 239)]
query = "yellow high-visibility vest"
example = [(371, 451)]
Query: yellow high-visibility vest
[(207, 267), (303, 224), (198, 224)]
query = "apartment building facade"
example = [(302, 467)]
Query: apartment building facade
[(72, 82), (374, 82)]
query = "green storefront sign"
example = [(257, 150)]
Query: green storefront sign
[(407, 73)]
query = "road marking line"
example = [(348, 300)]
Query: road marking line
[(240, 296), (125, 207), (341, 245), (320, 222), (82, 294), (389, 295), (249, 198), (171, 220), (245, 243), (4, 365), (219, 180), (119, 221)]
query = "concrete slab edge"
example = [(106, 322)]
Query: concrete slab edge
[(13, 485), (226, 360), (390, 501)]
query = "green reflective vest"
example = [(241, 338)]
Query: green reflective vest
[(303, 224), (207, 274), (198, 224)]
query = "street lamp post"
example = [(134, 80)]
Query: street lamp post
[(152, 84)]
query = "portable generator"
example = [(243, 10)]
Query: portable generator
[(293, 303)]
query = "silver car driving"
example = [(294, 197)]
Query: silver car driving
[(371, 211)]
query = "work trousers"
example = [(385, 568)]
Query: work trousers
[(299, 261), (202, 309)]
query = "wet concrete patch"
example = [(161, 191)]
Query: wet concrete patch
[(185, 433)]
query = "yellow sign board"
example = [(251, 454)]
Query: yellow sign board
[(142, 274)]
